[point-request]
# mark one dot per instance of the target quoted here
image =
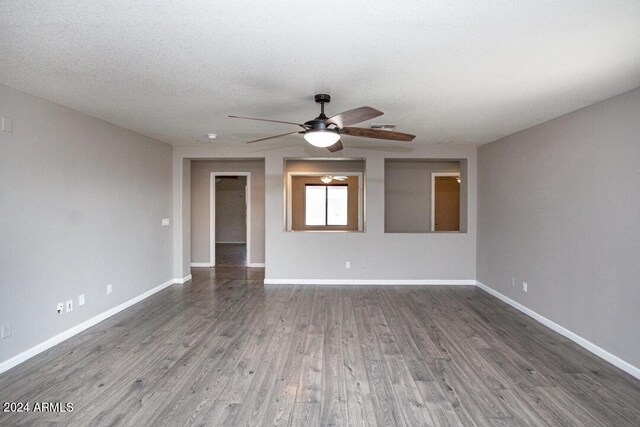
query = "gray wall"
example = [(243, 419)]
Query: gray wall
[(559, 208), (231, 210), (81, 203), (407, 197), (374, 255), (196, 184)]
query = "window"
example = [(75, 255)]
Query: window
[(326, 204)]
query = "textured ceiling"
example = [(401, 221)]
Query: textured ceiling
[(464, 72)]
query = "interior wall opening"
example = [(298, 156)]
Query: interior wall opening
[(229, 216), (226, 215), (425, 195), (324, 195)]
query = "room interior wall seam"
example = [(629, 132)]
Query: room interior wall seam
[(586, 344), (75, 330)]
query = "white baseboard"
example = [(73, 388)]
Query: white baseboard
[(183, 280), (255, 264), (57, 339), (366, 282), (593, 348)]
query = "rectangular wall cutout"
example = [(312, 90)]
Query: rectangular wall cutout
[(425, 195), (324, 195)]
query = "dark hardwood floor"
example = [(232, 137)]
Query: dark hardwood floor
[(231, 254), (226, 350)]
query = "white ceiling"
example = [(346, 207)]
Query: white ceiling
[(464, 72)]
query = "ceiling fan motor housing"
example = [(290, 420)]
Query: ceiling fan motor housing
[(322, 97), (320, 122)]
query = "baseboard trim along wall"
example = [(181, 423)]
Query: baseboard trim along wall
[(57, 339), (182, 280), (255, 264), (464, 282), (588, 345)]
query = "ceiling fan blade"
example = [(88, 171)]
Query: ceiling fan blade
[(272, 137), (266, 120), (354, 116), (335, 147), (378, 134), (340, 178)]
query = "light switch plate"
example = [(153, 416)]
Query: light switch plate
[(7, 124), (166, 222)]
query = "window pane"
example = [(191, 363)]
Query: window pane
[(315, 204), (337, 205)]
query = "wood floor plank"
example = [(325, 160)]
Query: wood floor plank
[(439, 406), (223, 349), (406, 392), (358, 393), (333, 410), (310, 379), (386, 407), (255, 409), (305, 414)]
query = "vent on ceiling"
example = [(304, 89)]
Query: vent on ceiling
[(382, 126)]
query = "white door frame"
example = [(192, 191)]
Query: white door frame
[(433, 194), (212, 214)]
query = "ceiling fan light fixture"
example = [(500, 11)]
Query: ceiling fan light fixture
[(326, 179), (322, 138)]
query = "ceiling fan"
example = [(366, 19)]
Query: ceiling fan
[(325, 131), (328, 178)]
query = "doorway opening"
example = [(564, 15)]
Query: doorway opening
[(445, 201), (230, 214)]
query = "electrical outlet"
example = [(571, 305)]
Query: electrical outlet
[(80, 299), (524, 286), (60, 308), (363, 265), (347, 264), (109, 288), (69, 305), (166, 222)]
